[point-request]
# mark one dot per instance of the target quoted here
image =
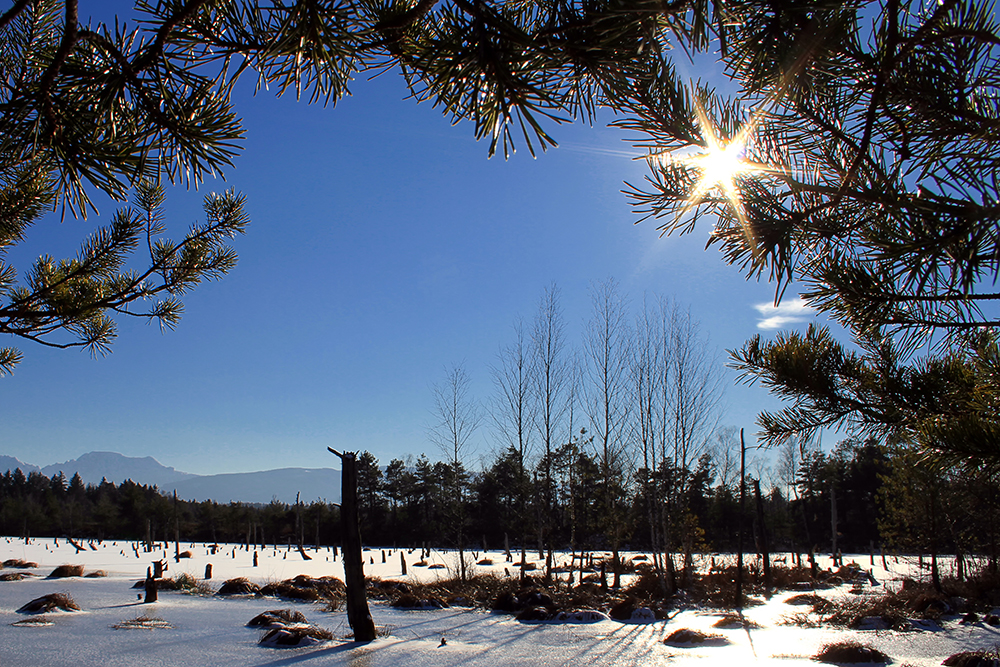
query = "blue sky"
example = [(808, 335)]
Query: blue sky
[(384, 247)]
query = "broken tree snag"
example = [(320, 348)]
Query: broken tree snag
[(358, 615), (151, 588), (299, 529)]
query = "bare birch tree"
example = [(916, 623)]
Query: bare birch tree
[(551, 378), (649, 373), (608, 349), (458, 416), (513, 406)]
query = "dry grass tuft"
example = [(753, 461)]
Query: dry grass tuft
[(239, 586), (820, 605), (689, 637), (13, 576), (800, 621), (296, 635), (33, 622), (989, 658), (277, 617), (144, 622), (850, 652), (96, 574), (307, 589), (477, 591), (732, 620), (409, 601), (22, 564), (48, 603), (64, 571)]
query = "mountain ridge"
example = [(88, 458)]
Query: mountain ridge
[(263, 486)]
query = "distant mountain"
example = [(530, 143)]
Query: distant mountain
[(262, 487), (10, 463), (95, 466), (248, 487)]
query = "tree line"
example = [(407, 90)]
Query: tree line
[(876, 498)]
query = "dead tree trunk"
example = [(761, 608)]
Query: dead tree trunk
[(739, 553), (762, 535), (358, 615)]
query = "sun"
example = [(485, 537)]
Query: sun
[(720, 163)]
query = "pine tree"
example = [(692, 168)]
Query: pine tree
[(858, 161), (112, 108)]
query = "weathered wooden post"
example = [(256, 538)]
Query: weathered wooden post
[(358, 615)]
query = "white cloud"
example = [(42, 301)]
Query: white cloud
[(776, 317)]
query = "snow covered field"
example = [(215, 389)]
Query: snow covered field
[(212, 630)]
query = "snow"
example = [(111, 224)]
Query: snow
[(212, 630)]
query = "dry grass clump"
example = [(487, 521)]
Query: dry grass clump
[(33, 622), (48, 603), (23, 564), (295, 636), (239, 586), (914, 599), (143, 622), (306, 588), (850, 612), (188, 584), (632, 609), (276, 618), (408, 601), (850, 652), (13, 576), (820, 605), (64, 571), (96, 574), (800, 620), (989, 658), (732, 620), (479, 590), (689, 637)]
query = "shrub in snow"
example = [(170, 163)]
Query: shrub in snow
[(13, 576), (850, 652), (96, 574), (49, 602), (64, 571), (22, 564)]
